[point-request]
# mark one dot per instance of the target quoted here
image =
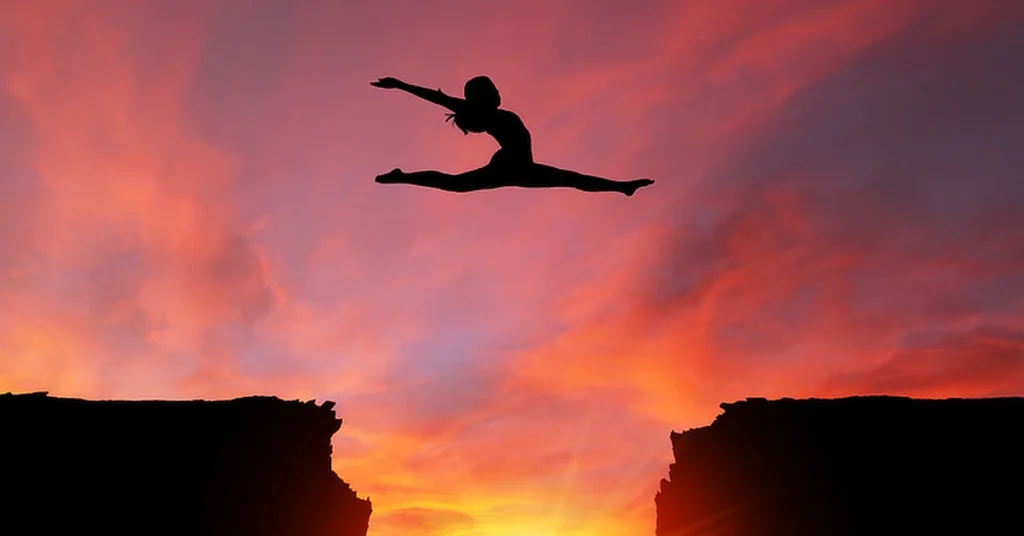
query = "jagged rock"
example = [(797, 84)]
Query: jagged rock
[(860, 465), (250, 466)]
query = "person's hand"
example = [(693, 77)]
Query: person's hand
[(387, 83)]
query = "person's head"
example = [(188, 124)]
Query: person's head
[(481, 93), (482, 96)]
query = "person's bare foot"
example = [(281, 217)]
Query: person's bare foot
[(632, 186), (391, 177)]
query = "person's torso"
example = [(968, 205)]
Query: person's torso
[(509, 131)]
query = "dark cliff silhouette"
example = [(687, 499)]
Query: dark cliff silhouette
[(512, 164), (250, 466), (852, 466)]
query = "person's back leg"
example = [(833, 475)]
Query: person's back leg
[(545, 176)]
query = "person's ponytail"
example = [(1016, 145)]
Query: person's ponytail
[(482, 98), (467, 121)]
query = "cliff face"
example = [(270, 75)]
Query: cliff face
[(250, 466), (863, 465)]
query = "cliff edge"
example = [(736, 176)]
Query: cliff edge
[(861, 465), (250, 466)]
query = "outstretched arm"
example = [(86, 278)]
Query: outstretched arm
[(435, 96)]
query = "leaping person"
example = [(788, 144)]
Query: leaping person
[(512, 164)]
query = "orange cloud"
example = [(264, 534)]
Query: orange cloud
[(426, 521)]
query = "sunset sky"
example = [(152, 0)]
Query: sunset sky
[(187, 210)]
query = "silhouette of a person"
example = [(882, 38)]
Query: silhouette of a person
[(512, 164)]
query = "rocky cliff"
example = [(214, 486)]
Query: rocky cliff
[(864, 466), (250, 466)]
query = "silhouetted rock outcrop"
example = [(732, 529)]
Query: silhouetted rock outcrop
[(251, 466), (862, 465)]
